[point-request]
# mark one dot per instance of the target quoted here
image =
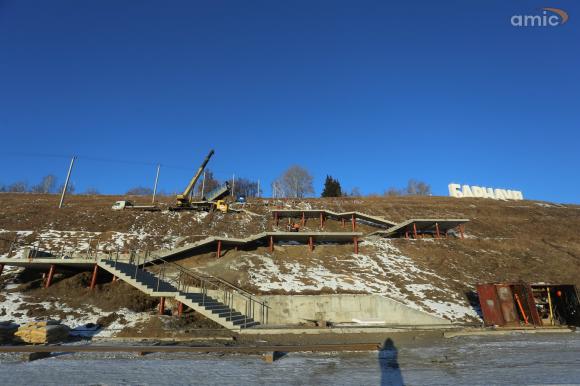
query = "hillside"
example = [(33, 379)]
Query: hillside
[(505, 241)]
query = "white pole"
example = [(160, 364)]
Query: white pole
[(72, 161), (233, 184), (202, 186), (155, 185), (258, 193)]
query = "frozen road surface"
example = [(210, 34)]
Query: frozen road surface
[(507, 360)]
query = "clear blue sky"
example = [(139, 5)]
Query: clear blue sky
[(371, 92)]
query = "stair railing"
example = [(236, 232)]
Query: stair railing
[(224, 291)]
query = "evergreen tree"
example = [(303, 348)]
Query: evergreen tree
[(331, 188)]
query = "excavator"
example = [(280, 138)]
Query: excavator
[(213, 200)]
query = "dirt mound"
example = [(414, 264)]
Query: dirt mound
[(74, 291)]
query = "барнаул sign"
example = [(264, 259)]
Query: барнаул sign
[(456, 190)]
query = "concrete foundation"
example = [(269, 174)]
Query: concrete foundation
[(293, 309), (337, 308)]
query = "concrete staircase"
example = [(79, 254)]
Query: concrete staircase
[(200, 302)]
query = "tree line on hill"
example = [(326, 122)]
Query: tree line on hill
[(295, 182)]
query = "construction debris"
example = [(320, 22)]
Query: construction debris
[(42, 332)]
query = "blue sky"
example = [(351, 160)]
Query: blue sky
[(371, 92)]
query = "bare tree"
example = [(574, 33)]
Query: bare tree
[(295, 182), (70, 189), (418, 188), (17, 187), (92, 191), (140, 191), (246, 187), (46, 185), (392, 191), (355, 192), (210, 183)]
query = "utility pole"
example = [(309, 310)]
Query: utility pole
[(65, 187), (258, 193), (202, 186), (155, 185), (233, 184)]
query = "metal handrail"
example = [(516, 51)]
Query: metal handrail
[(204, 279), (208, 282)]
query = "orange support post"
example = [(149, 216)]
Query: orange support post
[(219, 249), (414, 230), (353, 220), (437, 230), (303, 219), (321, 221), (521, 308), (355, 241), (461, 231), (94, 278), (162, 305), (407, 234), (50, 275), (271, 243), (180, 309), (114, 279), (343, 223), (310, 243)]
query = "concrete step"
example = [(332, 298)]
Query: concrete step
[(227, 313), (248, 325), (236, 318), (216, 306)]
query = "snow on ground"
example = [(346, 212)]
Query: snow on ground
[(78, 242), (14, 308), (382, 269)]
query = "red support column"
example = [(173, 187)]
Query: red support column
[(94, 278), (114, 279), (355, 241), (310, 243), (271, 243), (162, 305), (353, 220), (180, 309), (321, 221), (414, 230), (461, 231), (437, 230), (407, 234), (303, 219), (343, 223), (219, 249), (50, 275)]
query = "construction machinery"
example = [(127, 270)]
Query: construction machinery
[(184, 199), (210, 201), (126, 204)]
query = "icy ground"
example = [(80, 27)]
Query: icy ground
[(537, 359)]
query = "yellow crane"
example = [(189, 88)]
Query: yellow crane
[(183, 200)]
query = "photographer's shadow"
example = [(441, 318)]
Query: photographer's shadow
[(389, 364)]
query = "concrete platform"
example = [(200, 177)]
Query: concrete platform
[(377, 221), (44, 263), (422, 226)]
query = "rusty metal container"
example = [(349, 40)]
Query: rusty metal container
[(490, 305)]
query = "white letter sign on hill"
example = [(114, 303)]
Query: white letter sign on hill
[(456, 190)]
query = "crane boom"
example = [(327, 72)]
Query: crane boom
[(183, 198)]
